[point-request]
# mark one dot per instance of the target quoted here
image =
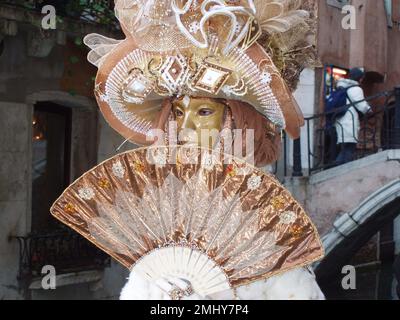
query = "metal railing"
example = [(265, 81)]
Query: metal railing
[(66, 252), (379, 130)]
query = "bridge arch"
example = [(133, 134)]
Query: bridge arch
[(353, 230)]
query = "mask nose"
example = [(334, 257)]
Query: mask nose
[(188, 122), (188, 129)]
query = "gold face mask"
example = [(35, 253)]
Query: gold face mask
[(199, 120)]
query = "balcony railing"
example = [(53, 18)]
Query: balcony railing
[(66, 252), (379, 131)]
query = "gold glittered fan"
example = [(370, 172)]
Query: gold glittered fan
[(190, 213)]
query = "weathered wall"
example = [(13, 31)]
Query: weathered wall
[(64, 69), (366, 46), (376, 37), (333, 42), (372, 45), (15, 125), (22, 75), (331, 193), (63, 77), (393, 54)]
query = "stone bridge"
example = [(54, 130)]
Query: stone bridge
[(350, 204)]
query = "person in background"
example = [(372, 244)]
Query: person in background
[(348, 126)]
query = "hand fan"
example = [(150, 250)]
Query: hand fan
[(184, 212)]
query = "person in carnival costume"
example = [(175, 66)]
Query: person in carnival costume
[(195, 73)]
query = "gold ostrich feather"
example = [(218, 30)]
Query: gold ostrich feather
[(278, 16), (289, 28)]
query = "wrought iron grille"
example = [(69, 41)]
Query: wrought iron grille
[(67, 252)]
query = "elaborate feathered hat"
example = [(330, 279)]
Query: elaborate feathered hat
[(202, 48)]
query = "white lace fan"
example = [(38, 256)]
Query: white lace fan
[(215, 222)]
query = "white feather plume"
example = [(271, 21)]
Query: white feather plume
[(278, 16)]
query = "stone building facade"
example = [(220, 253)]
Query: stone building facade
[(51, 132)]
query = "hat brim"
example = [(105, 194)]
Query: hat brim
[(292, 113), (147, 113), (134, 120)]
